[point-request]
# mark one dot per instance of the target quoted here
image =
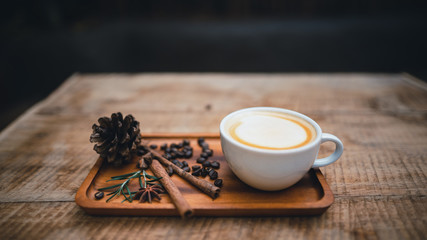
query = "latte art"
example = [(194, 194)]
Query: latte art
[(271, 130)]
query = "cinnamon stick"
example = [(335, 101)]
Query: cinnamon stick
[(204, 186), (181, 204)]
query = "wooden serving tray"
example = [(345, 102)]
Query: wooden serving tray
[(310, 196)]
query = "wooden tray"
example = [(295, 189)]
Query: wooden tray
[(310, 196)]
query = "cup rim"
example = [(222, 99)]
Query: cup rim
[(271, 151)]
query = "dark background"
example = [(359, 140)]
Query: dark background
[(44, 42)]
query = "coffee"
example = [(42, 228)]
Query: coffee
[(270, 130), (253, 142)]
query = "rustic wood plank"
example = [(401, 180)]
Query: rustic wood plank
[(383, 218), (379, 182)]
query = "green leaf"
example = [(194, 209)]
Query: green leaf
[(145, 180), (111, 193), (115, 179), (110, 187), (152, 177), (130, 193), (126, 196), (112, 196)]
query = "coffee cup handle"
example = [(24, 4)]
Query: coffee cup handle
[(339, 148)]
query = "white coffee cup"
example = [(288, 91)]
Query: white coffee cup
[(271, 170)]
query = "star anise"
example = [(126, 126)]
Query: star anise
[(148, 193)]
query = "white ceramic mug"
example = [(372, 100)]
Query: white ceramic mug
[(272, 170)]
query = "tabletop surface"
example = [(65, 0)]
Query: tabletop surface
[(379, 183)]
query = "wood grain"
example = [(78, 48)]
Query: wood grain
[(379, 183), (347, 218)]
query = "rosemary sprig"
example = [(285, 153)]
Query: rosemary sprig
[(123, 188)]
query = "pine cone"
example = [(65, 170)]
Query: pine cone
[(116, 138)]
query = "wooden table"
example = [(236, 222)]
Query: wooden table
[(380, 183)]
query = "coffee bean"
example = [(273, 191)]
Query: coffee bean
[(205, 145), (215, 165), (213, 175), (167, 156), (174, 149), (209, 152), (167, 150), (177, 163), (197, 172), (204, 172), (185, 163), (210, 170), (206, 164), (170, 170), (218, 183), (181, 165), (185, 142), (179, 154), (153, 146), (173, 155), (187, 148), (204, 155), (99, 195), (173, 145), (200, 140), (163, 146), (201, 160), (188, 154), (195, 167), (187, 169), (180, 145)]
